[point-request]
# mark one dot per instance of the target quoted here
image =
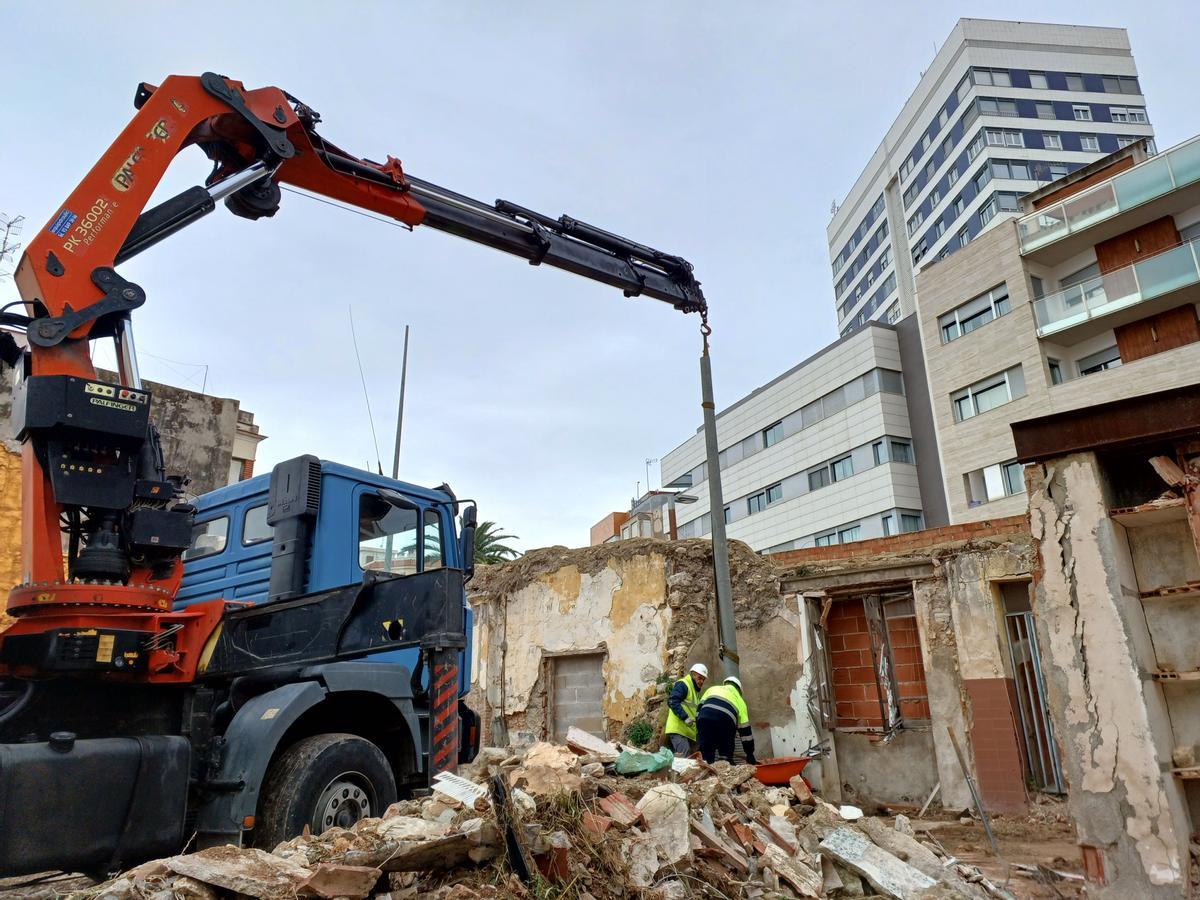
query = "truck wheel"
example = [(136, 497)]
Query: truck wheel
[(322, 781)]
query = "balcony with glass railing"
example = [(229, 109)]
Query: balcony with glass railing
[(1166, 172), (1145, 280)]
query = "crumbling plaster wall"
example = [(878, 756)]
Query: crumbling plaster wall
[(959, 622), (648, 605), (1113, 728)]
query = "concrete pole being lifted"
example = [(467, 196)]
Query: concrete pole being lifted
[(727, 638)]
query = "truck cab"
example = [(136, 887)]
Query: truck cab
[(356, 533)]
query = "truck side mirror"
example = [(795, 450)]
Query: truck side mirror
[(467, 541)]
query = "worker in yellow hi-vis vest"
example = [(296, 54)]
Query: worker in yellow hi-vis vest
[(722, 712), (682, 704)]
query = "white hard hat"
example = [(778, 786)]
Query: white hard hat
[(700, 669), (735, 681)]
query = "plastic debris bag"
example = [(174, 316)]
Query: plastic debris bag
[(635, 762)]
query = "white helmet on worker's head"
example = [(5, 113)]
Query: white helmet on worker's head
[(700, 669), (735, 681)]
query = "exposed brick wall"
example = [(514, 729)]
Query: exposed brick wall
[(247, 469), (998, 762), (855, 690), (855, 694), (910, 668), (913, 540)]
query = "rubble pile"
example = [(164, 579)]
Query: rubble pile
[(558, 821)]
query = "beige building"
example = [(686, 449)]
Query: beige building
[(1089, 297)]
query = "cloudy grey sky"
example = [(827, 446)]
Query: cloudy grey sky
[(717, 131)]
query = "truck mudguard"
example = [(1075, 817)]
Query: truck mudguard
[(254, 735)]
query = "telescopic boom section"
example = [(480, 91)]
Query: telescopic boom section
[(92, 466)]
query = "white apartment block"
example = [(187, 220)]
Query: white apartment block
[(1003, 108), (822, 454), (1091, 296)]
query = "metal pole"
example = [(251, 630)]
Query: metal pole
[(716, 505), (400, 411)]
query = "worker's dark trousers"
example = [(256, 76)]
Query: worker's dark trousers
[(715, 732)]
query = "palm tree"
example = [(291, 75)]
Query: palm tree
[(488, 547)]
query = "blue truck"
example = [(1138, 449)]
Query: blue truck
[(313, 703)]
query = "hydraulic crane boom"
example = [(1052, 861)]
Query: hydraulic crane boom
[(92, 466)]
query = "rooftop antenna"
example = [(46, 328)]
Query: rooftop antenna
[(9, 229), (366, 396), (648, 462)]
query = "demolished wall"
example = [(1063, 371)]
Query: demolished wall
[(953, 575), (648, 606), (1113, 726)]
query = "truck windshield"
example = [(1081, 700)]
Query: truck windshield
[(387, 536)]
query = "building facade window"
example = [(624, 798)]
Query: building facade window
[(892, 316), (772, 434), (1052, 140), (988, 394), (1056, 372), (1089, 142), (1074, 82), (1127, 114), (1000, 137), (997, 77), (1044, 110), (992, 106), (892, 450), (1121, 84), (1082, 112), (1108, 358), (842, 468), (977, 145), (1037, 81), (964, 236), (994, 482), (974, 313), (846, 535)]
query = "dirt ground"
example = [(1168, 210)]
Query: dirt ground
[(1046, 839)]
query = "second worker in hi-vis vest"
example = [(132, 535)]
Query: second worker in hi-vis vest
[(682, 706), (722, 712)]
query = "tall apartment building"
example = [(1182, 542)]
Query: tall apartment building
[(823, 454), (1090, 296), (1003, 108)]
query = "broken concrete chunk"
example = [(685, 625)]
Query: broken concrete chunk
[(736, 775), (640, 853), (184, 888), (252, 872), (665, 809), (886, 873), (850, 813), (803, 880), (329, 880), (592, 770), (1184, 756), (920, 857), (548, 769), (409, 828), (903, 825), (584, 742), (523, 801)]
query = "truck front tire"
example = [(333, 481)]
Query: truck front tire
[(322, 781)]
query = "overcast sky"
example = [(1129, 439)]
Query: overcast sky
[(717, 131)]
